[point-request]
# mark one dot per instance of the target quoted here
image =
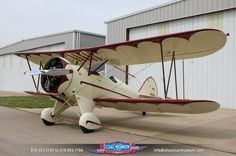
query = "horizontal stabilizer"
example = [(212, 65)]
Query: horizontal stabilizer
[(51, 72)]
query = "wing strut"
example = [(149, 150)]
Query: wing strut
[(90, 63), (123, 71), (39, 76), (183, 79), (90, 58), (168, 83), (84, 62), (173, 63), (163, 71), (176, 87), (27, 59), (100, 65)]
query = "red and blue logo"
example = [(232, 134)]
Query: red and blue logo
[(118, 148)]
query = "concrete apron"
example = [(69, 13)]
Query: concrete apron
[(216, 130)]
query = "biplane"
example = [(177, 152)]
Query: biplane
[(70, 78)]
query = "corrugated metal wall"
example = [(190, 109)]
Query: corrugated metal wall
[(87, 40), (44, 41), (116, 29), (13, 67), (212, 77)]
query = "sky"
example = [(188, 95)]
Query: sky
[(23, 19)]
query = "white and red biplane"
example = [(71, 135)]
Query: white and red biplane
[(67, 76)]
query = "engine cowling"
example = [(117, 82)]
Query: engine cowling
[(49, 83)]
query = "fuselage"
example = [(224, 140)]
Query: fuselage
[(94, 85)]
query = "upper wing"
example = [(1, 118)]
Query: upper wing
[(160, 105), (73, 56), (186, 45)]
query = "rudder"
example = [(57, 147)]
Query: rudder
[(148, 88)]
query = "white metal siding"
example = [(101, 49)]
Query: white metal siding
[(116, 29), (13, 67), (212, 77)]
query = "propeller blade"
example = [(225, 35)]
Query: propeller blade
[(51, 72)]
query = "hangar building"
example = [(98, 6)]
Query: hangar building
[(13, 67), (211, 77)]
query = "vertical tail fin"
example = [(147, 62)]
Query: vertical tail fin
[(149, 88)]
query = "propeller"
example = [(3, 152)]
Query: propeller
[(51, 72)]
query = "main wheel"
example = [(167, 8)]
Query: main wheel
[(47, 118), (85, 130), (89, 122), (47, 123)]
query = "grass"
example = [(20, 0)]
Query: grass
[(26, 102)]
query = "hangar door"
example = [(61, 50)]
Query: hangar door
[(211, 77)]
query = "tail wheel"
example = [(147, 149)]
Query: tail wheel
[(144, 113)]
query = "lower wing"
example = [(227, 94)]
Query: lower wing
[(160, 105)]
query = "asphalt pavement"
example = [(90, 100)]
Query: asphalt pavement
[(23, 133)]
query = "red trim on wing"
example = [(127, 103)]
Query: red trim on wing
[(156, 39), (96, 58), (156, 101), (40, 93), (54, 96), (85, 54), (76, 57)]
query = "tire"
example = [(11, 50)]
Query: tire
[(47, 123), (85, 130), (144, 113)]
